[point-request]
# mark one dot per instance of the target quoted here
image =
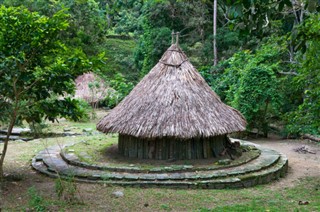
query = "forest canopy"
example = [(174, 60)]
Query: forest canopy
[(267, 51)]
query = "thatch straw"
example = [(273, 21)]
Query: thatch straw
[(173, 100), (91, 93)]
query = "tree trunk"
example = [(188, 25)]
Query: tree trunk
[(215, 53), (6, 142)]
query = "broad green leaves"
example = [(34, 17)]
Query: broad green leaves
[(306, 118), (250, 84), (36, 65)]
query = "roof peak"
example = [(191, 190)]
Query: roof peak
[(173, 34), (174, 56)]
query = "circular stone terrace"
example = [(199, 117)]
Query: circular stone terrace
[(257, 165)]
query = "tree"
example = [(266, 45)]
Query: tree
[(249, 83), (35, 68), (87, 25), (305, 118), (215, 53), (159, 18)]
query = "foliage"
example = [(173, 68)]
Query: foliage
[(159, 18), (254, 16), (87, 20), (126, 16), (129, 37), (155, 41), (35, 64), (119, 55), (66, 189), (121, 89), (249, 83), (306, 117), (36, 68), (37, 128), (36, 202)]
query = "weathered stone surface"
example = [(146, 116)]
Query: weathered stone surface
[(16, 131), (118, 194), (269, 166), (87, 130), (68, 129), (170, 168), (224, 162), (71, 134), (14, 138)]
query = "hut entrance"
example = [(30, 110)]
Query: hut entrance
[(166, 148)]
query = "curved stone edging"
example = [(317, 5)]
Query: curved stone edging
[(49, 162), (72, 159)]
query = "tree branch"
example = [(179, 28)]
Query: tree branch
[(29, 87), (288, 73)]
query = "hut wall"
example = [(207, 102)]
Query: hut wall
[(171, 148)]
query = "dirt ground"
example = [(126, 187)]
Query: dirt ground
[(300, 165)]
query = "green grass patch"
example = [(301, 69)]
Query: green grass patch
[(101, 150), (92, 150)]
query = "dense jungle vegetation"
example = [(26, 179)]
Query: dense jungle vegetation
[(268, 54)]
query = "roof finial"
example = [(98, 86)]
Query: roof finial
[(172, 36), (177, 37)]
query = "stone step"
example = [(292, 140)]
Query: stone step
[(261, 177), (16, 131), (54, 162), (72, 159), (270, 165)]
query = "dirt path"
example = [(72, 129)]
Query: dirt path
[(300, 165)]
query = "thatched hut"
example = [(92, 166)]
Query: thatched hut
[(172, 113), (91, 88)]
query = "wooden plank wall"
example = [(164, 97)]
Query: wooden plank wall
[(171, 148)]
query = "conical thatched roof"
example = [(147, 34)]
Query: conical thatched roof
[(172, 100), (91, 88)]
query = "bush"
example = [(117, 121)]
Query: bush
[(36, 202), (248, 81), (121, 89)]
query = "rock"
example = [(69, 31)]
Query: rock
[(85, 142), (87, 130), (68, 129), (14, 138), (70, 134), (16, 131), (224, 162), (118, 194)]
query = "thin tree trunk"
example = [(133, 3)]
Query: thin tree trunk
[(265, 126), (215, 53), (6, 142)]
